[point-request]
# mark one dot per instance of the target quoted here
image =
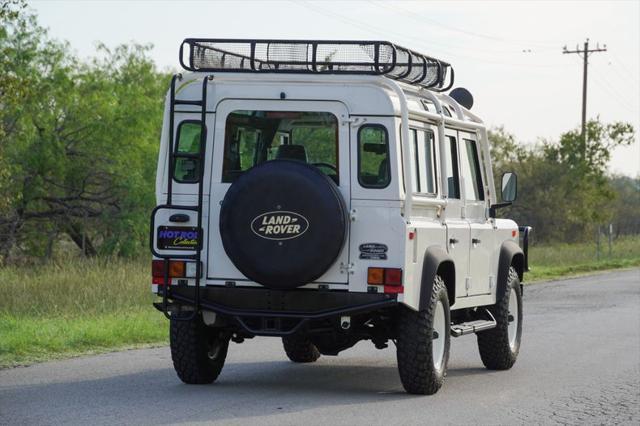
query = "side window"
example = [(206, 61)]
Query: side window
[(186, 167), (373, 156), (451, 173), (416, 161), (430, 162), (472, 176)]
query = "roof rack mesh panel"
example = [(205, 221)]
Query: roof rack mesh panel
[(313, 56)]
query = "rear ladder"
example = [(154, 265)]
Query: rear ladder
[(173, 156)]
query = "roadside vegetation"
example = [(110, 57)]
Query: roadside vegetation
[(79, 306), (76, 306), (552, 261)]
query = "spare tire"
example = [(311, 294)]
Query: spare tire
[(283, 223)]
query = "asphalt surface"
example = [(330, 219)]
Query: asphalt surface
[(579, 364)]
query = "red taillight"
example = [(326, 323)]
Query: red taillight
[(394, 289), (157, 268), (393, 276), (177, 269), (157, 272)]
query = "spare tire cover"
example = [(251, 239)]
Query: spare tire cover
[(283, 223)]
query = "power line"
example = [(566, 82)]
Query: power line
[(585, 55), (451, 50), (609, 92), (622, 95), (620, 69), (606, 91), (622, 65), (421, 18), (609, 89)]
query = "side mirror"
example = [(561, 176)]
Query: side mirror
[(509, 187), (509, 192)]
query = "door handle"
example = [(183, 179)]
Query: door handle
[(453, 241), (476, 241)]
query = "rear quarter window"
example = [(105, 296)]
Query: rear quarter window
[(186, 169), (374, 169)]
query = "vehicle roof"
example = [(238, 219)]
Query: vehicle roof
[(362, 94)]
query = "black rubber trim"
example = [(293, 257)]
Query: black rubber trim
[(510, 255), (436, 257), (525, 232)]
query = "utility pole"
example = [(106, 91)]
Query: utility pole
[(585, 55)]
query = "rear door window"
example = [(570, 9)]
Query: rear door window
[(253, 137)]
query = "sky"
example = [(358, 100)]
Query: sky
[(507, 53)]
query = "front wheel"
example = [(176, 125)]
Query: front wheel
[(198, 352), (499, 346), (423, 343)]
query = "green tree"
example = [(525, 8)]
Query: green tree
[(626, 206), (564, 191), (80, 145)]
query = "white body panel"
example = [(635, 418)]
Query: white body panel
[(407, 225)]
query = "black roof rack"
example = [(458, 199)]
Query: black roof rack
[(316, 57)]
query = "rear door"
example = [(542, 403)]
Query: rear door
[(322, 127)]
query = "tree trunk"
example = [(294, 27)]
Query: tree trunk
[(75, 232)]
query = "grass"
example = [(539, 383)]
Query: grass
[(89, 306), (26, 340), (75, 307), (552, 261)]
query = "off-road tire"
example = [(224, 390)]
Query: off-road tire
[(414, 345), (300, 349), (198, 352), (493, 344)]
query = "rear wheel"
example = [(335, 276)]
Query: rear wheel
[(198, 352), (300, 349), (423, 343), (499, 346)]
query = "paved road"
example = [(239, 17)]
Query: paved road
[(579, 363)]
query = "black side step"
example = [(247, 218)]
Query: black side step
[(469, 327)]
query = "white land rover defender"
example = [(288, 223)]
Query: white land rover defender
[(327, 192)]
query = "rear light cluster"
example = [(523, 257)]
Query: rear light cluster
[(177, 269), (390, 278)]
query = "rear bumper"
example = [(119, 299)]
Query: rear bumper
[(267, 312)]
